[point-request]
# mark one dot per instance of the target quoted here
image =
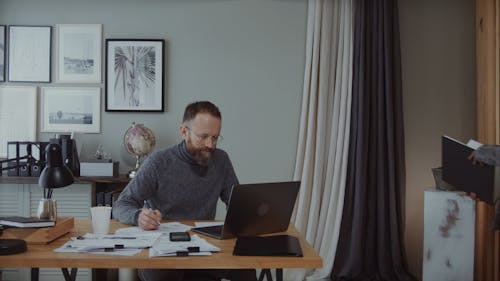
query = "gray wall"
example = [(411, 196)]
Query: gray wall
[(438, 57), (246, 56)]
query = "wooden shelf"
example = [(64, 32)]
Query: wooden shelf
[(41, 235)]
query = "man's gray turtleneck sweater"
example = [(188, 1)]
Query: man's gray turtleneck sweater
[(176, 185)]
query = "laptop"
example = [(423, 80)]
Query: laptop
[(256, 209)]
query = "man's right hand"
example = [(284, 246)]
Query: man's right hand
[(472, 157), (149, 219)]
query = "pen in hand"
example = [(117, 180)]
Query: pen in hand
[(148, 206)]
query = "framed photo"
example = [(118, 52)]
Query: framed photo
[(2, 53), (134, 75), (71, 109), (17, 119), (79, 53), (29, 53)]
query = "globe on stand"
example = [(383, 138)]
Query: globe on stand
[(139, 141)]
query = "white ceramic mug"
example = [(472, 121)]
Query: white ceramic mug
[(100, 219)]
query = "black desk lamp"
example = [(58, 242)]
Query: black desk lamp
[(54, 175)]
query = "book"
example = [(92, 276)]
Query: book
[(479, 178), (17, 221)]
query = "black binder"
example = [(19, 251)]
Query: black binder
[(482, 179), (277, 245)]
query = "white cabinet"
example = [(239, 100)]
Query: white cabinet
[(18, 199), (449, 219)]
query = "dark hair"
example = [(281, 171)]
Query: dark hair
[(194, 108)]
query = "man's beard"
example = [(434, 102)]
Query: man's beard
[(201, 155)]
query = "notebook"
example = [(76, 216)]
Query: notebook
[(462, 173), (277, 245), (17, 221), (256, 209)]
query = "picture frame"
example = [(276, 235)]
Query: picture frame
[(136, 87), (2, 52), (79, 49), (18, 119), (29, 53), (71, 109)]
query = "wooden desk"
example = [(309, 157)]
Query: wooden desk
[(43, 256)]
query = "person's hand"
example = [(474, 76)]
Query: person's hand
[(149, 219), (472, 157)]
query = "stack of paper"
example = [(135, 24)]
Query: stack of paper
[(17, 221), (164, 228), (196, 247), (131, 240), (110, 244)]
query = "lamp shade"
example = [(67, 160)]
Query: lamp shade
[(55, 174)]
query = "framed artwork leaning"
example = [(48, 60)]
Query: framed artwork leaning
[(29, 53), (71, 109), (134, 75), (79, 53)]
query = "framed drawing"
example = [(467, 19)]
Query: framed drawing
[(2, 53), (29, 53), (71, 109), (17, 119), (79, 53), (134, 75)]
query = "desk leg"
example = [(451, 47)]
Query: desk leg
[(266, 273), (69, 276), (34, 273), (279, 274)]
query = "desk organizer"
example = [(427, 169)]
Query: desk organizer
[(42, 235)]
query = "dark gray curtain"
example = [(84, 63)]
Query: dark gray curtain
[(371, 240)]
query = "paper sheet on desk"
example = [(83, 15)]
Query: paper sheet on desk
[(164, 247), (67, 248), (154, 253), (164, 228), (96, 243)]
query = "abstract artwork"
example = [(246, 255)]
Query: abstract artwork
[(134, 75), (449, 236), (17, 119), (29, 53)]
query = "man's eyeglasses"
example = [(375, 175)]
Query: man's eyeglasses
[(204, 137)]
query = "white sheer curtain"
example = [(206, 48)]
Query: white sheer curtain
[(323, 144)]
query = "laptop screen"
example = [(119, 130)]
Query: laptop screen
[(261, 208)]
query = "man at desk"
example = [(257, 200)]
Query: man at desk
[(183, 182)]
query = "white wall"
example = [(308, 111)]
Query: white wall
[(247, 56), (438, 58)]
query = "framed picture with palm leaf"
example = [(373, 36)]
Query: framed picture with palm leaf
[(134, 75)]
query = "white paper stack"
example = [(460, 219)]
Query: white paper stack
[(196, 247), (109, 244)]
